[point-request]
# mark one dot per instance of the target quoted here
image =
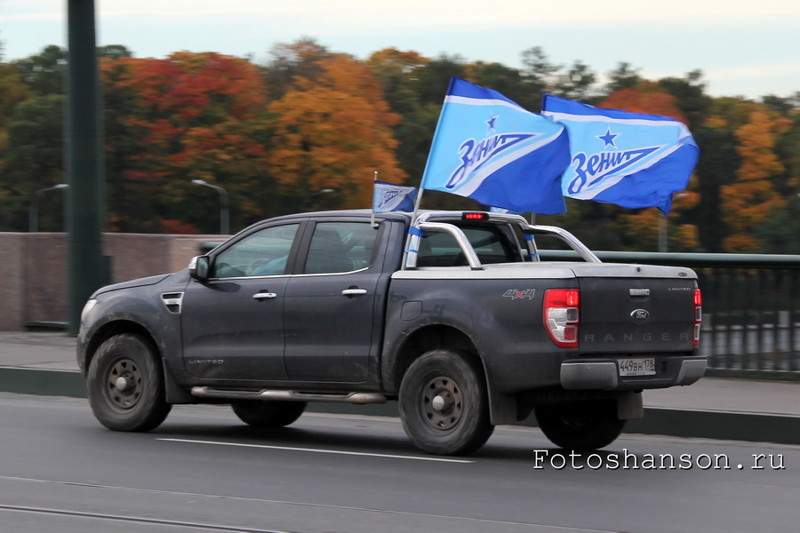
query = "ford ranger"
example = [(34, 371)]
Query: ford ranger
[(466, 319)]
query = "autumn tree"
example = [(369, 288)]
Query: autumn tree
[(290, 62), (191, 116), (332, 132), (752, 197)]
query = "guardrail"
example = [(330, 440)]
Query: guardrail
[(751, 309)]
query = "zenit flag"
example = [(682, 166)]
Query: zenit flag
[(628, 159), (490, 149), (388, 197)]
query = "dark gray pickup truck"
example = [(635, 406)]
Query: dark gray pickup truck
[(463, 318)]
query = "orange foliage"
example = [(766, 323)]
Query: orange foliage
[(177, 226), (752, 196), (405, 61), (644, 226), (646, 97), (334, 131)]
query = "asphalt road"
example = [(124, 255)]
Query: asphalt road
[(203, 471)]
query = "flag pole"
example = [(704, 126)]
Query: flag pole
[(374, 180)]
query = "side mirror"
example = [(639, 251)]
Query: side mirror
[(198, 268)]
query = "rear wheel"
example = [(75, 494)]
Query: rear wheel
[(125, 384), (268, 414), (443, 404), (580, 425)]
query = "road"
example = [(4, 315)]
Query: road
[(203, 471)]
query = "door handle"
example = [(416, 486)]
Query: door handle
[(264, 295), (354, 291)]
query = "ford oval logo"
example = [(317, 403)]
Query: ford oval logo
[(640, 314)]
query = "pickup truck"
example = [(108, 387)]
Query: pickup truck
[(466, 319)]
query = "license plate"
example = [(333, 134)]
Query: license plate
[(637, 367)]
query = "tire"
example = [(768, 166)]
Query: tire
[(580, 425), (125, 384), (443, 404), (268, 414)]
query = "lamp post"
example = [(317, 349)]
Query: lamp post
[(311, 200), (33, 214), (663, 226), (224, 211)]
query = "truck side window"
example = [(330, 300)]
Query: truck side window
[(263, 253), (340, 247), (490, 243)]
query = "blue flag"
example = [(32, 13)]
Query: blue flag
[(629, 159), (490, 149), (388, 197)]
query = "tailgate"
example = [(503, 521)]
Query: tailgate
[(636, 315)]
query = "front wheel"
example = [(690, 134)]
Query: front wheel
[(125, 384), (580, 425), (268, 414), (443, 404)]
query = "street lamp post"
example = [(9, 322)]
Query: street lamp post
[(33, 214), (663, 226), (312, 197), (224, 202), (662, 232)]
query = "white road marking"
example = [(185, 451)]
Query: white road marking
[(319, 450)]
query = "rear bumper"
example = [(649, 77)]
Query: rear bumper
[(603, 374)]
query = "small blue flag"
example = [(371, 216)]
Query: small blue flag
[(490, 149), (388, 197), (629, 159)]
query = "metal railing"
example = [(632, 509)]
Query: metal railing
[(751, 310)]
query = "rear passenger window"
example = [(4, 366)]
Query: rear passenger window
[(340, 247)]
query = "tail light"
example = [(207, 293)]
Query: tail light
[(561, 316), (698, 317)]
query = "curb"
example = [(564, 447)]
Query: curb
[(722, 425)]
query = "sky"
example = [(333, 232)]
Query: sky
[(744, 48)]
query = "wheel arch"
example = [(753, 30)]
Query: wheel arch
[(424, 339), (174, 393), (108, 330), (502, 407)]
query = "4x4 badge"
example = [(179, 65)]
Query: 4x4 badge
[(640, 314), (520, 294)]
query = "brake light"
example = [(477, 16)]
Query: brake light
[(474, 216), (698, 317), (561, 316)]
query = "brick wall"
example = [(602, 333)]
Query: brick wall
[(33, 283)]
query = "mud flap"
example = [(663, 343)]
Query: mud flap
[(630, 406)]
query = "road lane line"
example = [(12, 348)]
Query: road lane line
[(319, 450), (133, 519)]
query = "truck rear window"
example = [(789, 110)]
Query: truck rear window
[(491, 244)]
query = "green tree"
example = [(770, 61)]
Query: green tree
[(538, 73), (398, 73), (506, 80), (33, 160), (45, 73), (623, 77), (577, 83)]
